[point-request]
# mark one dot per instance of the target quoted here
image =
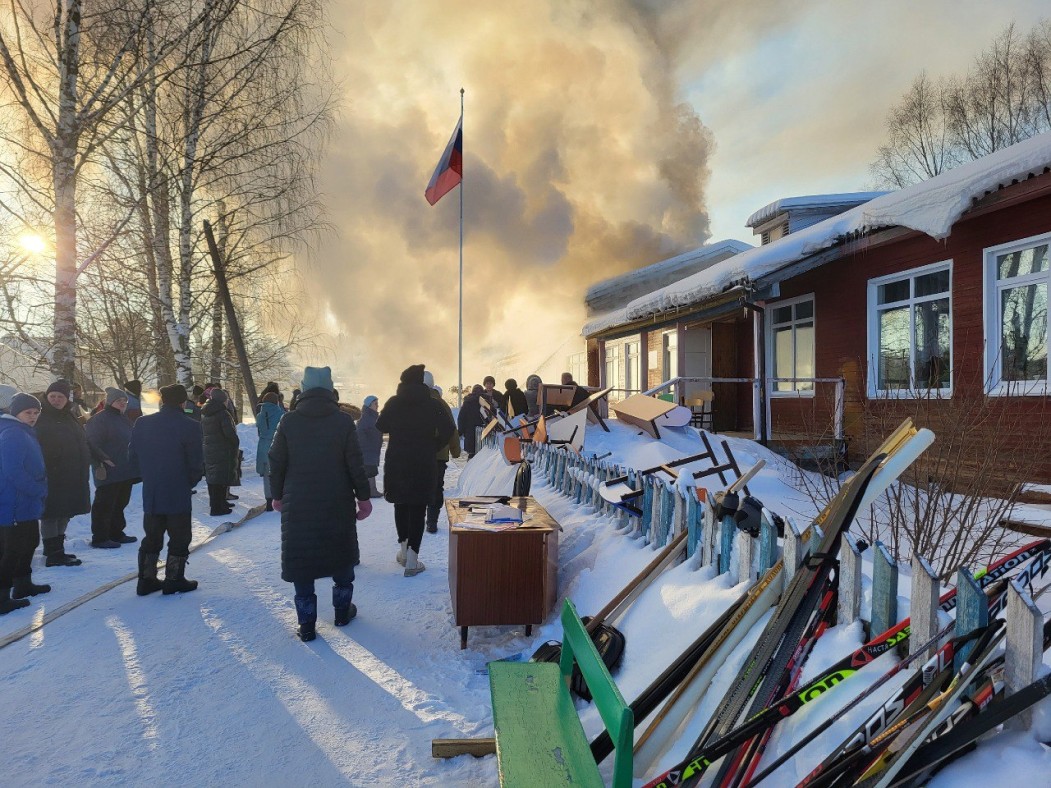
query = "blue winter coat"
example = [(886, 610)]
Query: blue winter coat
[(266, 422), (23, 476), (109, 434), (370, 438), (169, 449)]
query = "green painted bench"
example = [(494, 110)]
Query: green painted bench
[(539, 739)]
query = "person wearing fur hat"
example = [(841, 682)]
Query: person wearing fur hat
[(68, 457), (318, 480), (371, 441), (266, 421), (133, 389), (23, 489), (166, 447), (220, 451), (418, 428), (109, 434), (450, 448)]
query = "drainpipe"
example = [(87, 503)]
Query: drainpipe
[(760, 314)]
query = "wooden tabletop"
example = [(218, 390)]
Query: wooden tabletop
[(539, 518)]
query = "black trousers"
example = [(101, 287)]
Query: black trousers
[(217, 496), (434, 508), (177, 526), (18, 542), (409, 519), (107, 510)]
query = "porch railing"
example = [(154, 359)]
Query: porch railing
[(759, 401)]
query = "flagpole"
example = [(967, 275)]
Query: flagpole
[(459, 382)]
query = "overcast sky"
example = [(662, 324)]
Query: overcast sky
[(599, 137)]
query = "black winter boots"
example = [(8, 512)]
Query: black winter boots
[(175, 581), (55, 554), (270, 504), (7, 604), (24, 586), (306, 613), (345, 609), (148, 582)]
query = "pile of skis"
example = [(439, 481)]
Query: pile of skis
[(934, 715)]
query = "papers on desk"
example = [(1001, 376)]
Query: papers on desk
[(493, 517)]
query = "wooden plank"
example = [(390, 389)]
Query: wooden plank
[(767, 543), (539, 739), (849, 606), (728, 528), (450, 748), (884, 590), (972, 612), (923, 613), (1025, 648)]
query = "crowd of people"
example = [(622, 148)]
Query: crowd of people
[(319, 460)]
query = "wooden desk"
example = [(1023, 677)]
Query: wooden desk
[(509, 577)]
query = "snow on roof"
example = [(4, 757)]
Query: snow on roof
[(809, 202), (931, 207)]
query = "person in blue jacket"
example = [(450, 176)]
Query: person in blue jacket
[(266, 421), (168, 449), (23, 489), (109, 434)]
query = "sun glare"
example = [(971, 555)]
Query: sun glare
[(33, 243)]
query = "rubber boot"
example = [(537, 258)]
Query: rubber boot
[(55, 554), (345, 609), (7, 604), (148, 582), (269, 504), (175, 581), (402, 547), (374, 491), (413, 564), (306, 613), (24, 586)]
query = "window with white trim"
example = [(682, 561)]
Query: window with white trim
[(790, 332), (1016, 284), (614, 365), (670, 345), (910, 331), (632, 367)]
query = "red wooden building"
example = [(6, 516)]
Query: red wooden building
[(929, 302)]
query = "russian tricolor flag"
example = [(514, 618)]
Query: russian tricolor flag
[(449, 171)]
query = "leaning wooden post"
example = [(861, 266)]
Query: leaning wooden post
[(219, 269), (793, 550), (1025, 648), (728, 529), (923, 615), (679, 522), (767, 542), (849, 606), (745, 554), (972, 612), (884, 591)]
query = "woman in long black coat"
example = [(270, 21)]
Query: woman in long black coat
[(418, 427), (68, 460), (469, 419), (220, 451), (316, 473)]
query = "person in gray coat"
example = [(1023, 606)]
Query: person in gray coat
[(266, 421), (371, 440), (532, 395), (220, 451)]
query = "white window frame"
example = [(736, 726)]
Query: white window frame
[(770, 370), (913, 392), (669, 361), (632, 365), (994, 386)]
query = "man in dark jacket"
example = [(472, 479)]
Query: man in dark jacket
[(492, 394), (451, 448), (316, 473), (167, 448), (515, 398), (109, 434), (221, 445), (469, 419), (417, 427)]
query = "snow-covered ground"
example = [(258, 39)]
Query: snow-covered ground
[(213, 686)]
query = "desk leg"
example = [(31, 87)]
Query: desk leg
[(463, 638), (529, 630)]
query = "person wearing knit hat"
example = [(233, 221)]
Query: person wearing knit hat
[(441, 458), (221, 445), (133, 388), (318, 481), (418, 428), (166, 448), (68, 458), (109, 435), (23, 489), (371, 441), (266, 420)]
